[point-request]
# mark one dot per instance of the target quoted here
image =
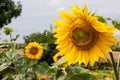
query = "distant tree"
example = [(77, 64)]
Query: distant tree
[(8, 10)]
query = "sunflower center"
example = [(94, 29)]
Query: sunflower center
[(34, 50), (84, 37), (80, 35)]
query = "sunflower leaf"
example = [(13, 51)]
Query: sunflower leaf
[(5, 65), (19, 77), (14, 39), (11, 54), (42, 68), (44, 45), (59, 62), (108, 18), (31, 62), (101, 19), (116, 24)]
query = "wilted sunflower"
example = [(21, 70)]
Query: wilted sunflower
[(81, 38), (34, 50)]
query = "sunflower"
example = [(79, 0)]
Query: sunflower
[(34, 50), (81, 38)]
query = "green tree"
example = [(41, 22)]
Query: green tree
[(8, 10)]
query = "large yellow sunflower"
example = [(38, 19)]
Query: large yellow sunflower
[(34, 50), (81, 38)]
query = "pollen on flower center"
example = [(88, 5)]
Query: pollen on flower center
[(34, 50)]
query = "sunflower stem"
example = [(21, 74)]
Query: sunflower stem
[(114, 66), (11, 45)]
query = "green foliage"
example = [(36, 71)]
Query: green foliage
[(102, 74), (9, 10), (102, 19), (82, 76), (18, 67), (45, 37), (116, 24), (117, 46), (41, 67)]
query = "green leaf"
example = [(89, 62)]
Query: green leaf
[(19, 77), (30, 62), (108, 18), (52, 71), (7, 77), (4, 43), (11, 54), (42, 68), (44, 45), (101, 19), (61, 73), (82, 76), (76, 69), (5, 65), (2, 46), (14, 39), (59, 62), (116, 24)]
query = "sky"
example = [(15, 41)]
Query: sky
[(37, 15)]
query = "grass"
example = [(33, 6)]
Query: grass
[(103, 74)]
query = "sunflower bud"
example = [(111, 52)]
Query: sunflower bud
[(7, 30)]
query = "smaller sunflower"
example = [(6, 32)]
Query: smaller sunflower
[(34, 50)]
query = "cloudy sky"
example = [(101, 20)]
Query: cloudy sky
[(37, 15)]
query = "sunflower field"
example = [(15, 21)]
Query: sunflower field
[(81, 46)]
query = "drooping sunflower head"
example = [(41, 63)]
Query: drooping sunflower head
[(81, 38), (33, 50)]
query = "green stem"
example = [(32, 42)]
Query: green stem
[(114, 66), (35, 74), (11, 42)]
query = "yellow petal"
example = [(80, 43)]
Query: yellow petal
[(85, 10), (79, 57), (77, 11), (67, 16), (99, 26), (93, 56), (107, 39), (63, 44), (100, 51), (66, 49), (111, 29), (61, 23)]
